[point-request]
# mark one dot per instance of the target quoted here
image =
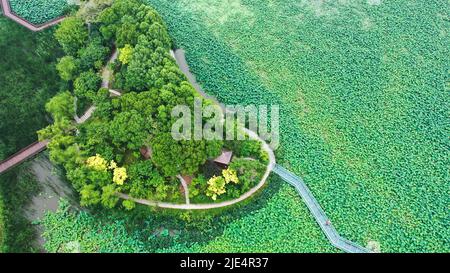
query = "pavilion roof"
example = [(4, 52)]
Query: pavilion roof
[(224, 158)]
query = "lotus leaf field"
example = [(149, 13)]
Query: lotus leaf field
[(364, 103), (39, 11), (363, 90), (274, 221)]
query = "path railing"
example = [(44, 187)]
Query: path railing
[(318, 213), (20, 156)]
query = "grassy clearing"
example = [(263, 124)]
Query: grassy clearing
[(362, 88)]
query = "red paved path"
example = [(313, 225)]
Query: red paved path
[(36, 147), (23, 154), (11, 15)]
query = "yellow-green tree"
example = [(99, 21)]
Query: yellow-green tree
[(97, 163), (120, 175), (216, 187), (230, 175), (125, 54)]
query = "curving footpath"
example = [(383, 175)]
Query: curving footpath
[(324, 222), (185, 188), (11, 15), (85, 116), (106, 78), (106, 75), (244, 196)]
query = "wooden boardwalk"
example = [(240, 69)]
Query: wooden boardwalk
[(11, 15), (324, 222), (35, 147), (318, 213), (25, 153)]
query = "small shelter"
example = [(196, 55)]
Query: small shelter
[(224, 159)]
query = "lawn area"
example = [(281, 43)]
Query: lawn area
[(363, 92), (39, 11)]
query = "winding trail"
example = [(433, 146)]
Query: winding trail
[(106, 71), (85, 116), (179, 57), (186, 189), (106, 78), (304, 192), (244, 196), (7, 12), (314, 207)]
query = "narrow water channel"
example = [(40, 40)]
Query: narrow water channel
[(53, 188)]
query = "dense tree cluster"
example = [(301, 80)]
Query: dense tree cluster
[(103, 155), (28, 79)]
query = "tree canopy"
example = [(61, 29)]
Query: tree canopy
[(72, 34), (141, 118)]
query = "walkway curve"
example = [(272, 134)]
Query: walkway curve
[(106, 73), (7, 12), (106, 78), (318, 213), (312, 204), (303, 190), (185, 188), (244, 196), (179, 57)]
